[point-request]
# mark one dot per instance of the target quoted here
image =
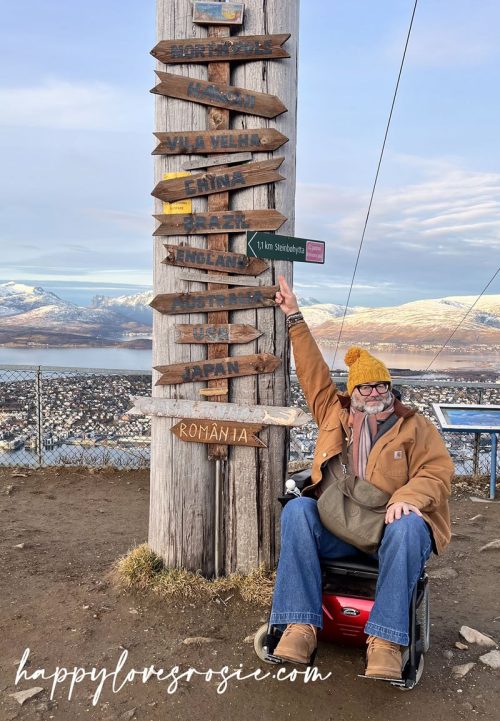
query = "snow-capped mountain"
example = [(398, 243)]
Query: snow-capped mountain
[(27, 313), (421, 322), (136, 307), (304, 302), (321, 312), (16, 298), (25, 310)]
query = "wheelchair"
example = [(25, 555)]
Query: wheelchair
[(348, 596)]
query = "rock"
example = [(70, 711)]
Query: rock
[(22, 696), (19, 545), (442, 573), (491, 659), (448, 654), (477, 518), (19, 475), (492, 546), (197, 640), (8, 489), (127, 715), (249, 639), (472, 636), (463, 670), (461, 646)]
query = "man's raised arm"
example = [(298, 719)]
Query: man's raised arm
[(312, 371)]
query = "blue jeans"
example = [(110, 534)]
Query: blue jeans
[(405, 547)]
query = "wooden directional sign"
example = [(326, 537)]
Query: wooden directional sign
[(221, 221), (195, 276), (218, 13), (207, 431), (207, 301), (215, 333), (218, 260), (284, 247), (219, 180), (231, 367), (175, 408), (218, 95), (202, 162), (209, 50), (219, 141)]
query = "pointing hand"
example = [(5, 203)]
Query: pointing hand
[(286, 298)]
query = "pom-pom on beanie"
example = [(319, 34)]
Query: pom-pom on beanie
[(364, 368)]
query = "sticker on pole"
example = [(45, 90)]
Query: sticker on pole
[(285, 247), (179, 206)]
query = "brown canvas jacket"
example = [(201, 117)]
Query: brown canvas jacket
[(410, 461)]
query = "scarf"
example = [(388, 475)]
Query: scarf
[(364, 428)]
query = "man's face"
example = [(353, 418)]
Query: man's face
[(369, 399)]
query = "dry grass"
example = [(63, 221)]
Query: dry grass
[(142, 570)]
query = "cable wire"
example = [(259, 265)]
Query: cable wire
[(464, 317), (375, 181)]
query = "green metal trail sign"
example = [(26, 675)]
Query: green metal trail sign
[(285, 247)]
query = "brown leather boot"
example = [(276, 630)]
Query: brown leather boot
[(383, 658), (297, 644)]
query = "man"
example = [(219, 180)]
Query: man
[(392, 447)]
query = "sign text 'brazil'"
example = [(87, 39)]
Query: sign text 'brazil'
[(285, 247)]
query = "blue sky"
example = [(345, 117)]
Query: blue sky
[(76, 122)]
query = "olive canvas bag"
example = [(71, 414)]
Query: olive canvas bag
[(354, 510)]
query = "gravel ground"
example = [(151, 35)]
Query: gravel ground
[(57, 600)]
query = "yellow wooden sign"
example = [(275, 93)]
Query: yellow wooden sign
[(179, 206)]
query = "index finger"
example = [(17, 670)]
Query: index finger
[(284, 287)]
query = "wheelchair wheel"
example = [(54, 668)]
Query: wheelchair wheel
[(424, 621), (259, 643), (420, 671)]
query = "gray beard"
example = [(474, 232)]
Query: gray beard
[(360, 404)]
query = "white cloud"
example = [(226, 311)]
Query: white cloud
[(62, 105), (460, 207)]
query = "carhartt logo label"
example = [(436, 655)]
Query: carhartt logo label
[(398, 455)]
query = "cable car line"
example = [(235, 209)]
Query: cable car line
[(464, 317), (375, 181)]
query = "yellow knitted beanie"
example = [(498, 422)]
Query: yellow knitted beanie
[(364, 368)]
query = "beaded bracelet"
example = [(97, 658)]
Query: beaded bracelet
[(294, 318)]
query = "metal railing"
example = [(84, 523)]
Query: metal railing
[(471, 452), (72, 416), (77, 416)]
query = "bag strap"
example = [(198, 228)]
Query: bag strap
[(350, 481)]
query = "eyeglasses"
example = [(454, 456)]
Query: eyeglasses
[(366, 388)]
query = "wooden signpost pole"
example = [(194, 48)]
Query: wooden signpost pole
[(218, 119), (252, 110)]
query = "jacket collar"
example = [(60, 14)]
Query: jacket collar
[(400, 409)]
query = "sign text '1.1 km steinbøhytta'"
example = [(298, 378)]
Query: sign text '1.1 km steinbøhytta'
[(284, 247)]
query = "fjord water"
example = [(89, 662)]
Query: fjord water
[(128, 359)]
